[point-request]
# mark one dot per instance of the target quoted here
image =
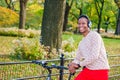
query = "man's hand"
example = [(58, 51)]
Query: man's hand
[(72, 67)]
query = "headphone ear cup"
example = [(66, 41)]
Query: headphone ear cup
[(89, 24)]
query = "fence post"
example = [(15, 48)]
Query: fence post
[(61, 64)]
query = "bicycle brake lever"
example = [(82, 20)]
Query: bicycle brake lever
[(43, 63)]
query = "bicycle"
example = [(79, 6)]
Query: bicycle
[(61, 67), (49, 68)]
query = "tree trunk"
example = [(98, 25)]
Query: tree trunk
[(117, 31), (22, 14), (107, 22), (52, 23), (99, 10), (99, 23), (67, 10)]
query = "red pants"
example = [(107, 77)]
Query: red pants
[(87, 74)]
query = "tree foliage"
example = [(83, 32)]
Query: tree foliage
[(69, 4), (88, 7), (35, 11), (118, 3), (10, 4), (8, 17), (2, 3)]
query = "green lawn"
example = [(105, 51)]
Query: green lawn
[(112, 45), (6, 44)]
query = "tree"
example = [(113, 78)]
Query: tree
[(3, 3), (22, 14), (99, 4), (52, 23), (79, 6), (67, 10), (109, 13), (107, 19), (9, 4), (117, 31)]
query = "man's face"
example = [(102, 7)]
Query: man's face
[(83, 25)]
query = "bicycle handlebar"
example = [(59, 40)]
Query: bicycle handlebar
[(39, 62), (44, 64), (59, 67)]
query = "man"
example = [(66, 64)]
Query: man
[(91, 54)]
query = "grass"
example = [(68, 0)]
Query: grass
[(112, 47), (6, 44), (76, 38)]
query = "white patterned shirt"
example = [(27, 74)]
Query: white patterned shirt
[(91, 52)]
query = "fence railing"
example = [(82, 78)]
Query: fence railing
[(21, 70)]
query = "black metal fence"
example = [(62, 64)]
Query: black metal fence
[(21, 70)]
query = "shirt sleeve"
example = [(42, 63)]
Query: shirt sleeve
[(78, 56), (92, 52)]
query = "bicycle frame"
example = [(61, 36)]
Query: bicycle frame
[(49, 75), (60, 67), (44, 65)]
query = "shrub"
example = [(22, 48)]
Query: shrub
[(26, 49), (8, 32), (19, 32), (8, 17), (110, 35), (68, 45)]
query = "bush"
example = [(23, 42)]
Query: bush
[(110, 35), (19, 32), (26, 49), (68, 45), (8, 17)]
